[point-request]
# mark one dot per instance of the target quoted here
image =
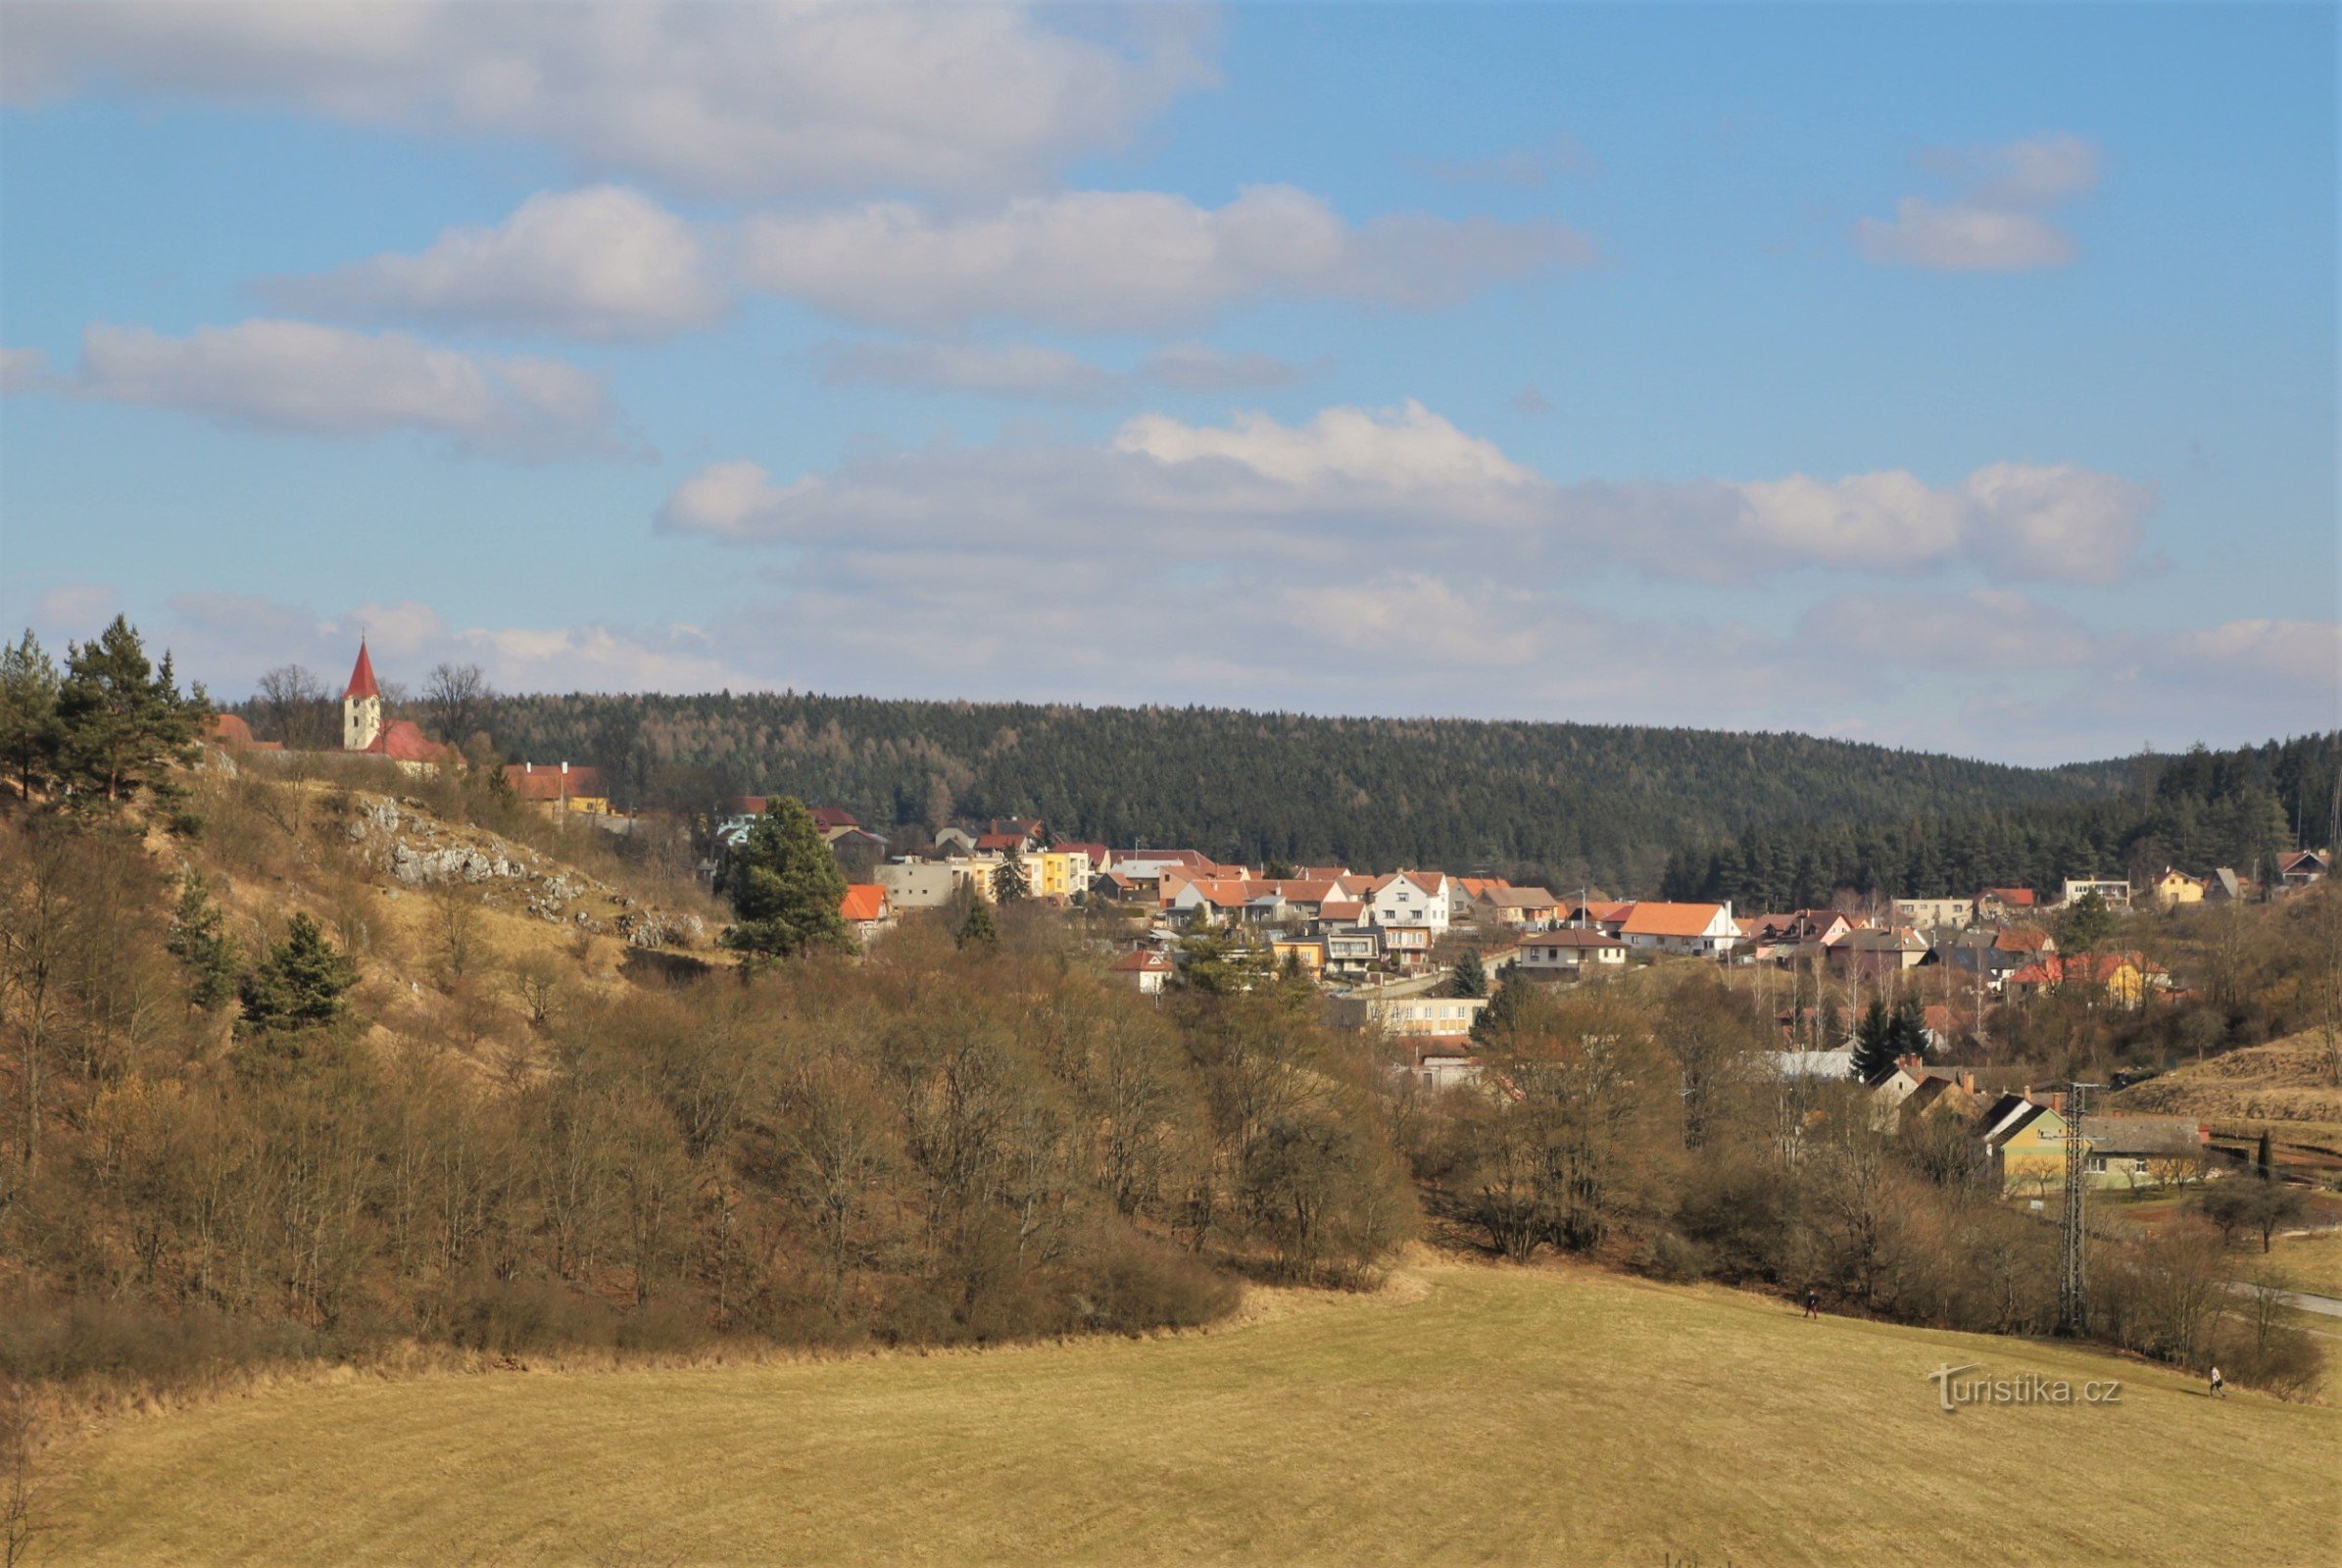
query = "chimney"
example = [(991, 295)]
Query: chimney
[(564, 767), (1968, 1083), (2057, 1101), (529, 767)]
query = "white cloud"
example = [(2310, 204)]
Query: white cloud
[(1105, 261), (77, 611), (2301, 655), (322, 380), (1357, 478), (1032, 370), (1999, 220), (740, 99), (1986, 629), (1425, 616), (602, 263), (23, 370)]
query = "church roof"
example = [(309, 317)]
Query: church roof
[(362, 676)]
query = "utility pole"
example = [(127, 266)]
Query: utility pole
[(2073, 1306)]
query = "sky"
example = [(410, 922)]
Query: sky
[(1957, 377)]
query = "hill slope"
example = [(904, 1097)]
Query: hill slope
[(1572, 800), (1496, 1416)]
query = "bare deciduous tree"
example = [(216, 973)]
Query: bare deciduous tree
[(456, 700), (296, 708)]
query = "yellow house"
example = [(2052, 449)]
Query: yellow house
[(1050, 875), (2029, 1150), (2176, 887), (1307, 952), (2127, 978), (558, 788)]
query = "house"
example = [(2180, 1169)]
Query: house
[(2126, 978), (1928, 913), (841, 832), (1702, 929), (1876, 952), (1912, 1087), (1597, 913), (2298, 868), (1144, 971), (1409, 946), (1464, 894), (2000, 903), (1416, 899), (1441, 1061), (2222, 886), (866, 910), (2110, 891), (231, 734), (364, 733), (1519, 906), (1305, 955), (1784, 938), (2171, 887), (1829, 1065), (1997, 954), (2025, 1148), (1350, 951), (1570, 951), (1409, 1015), (576, 787), (951, 839), (917, 884)]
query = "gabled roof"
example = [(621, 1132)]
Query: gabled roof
[(826, 817), (1671, 919), (1522, 899), (2013, 898), (362, 676), (1573, 937), (2142, 1135), (402, 741), (1141, 961), (1099, 854), (534, 783), (1428, 883), (999, 841), (1341, 910), (864, 900)]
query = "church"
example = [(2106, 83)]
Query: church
[(364, 733)]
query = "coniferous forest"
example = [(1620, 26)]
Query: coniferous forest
[(1568, 803)]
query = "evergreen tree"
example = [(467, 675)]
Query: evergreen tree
[(1470, 978), (299, 985), (785, 886), (198, 941), (1504, 1010), (30, 732), (976, 927), (1873, 1042), (121, 719), (1008, 883), (2263, 1163), (2086, 926)]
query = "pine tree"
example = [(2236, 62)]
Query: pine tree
[(121, 719), (2086, 926), (197, 941), (30, 732), (1008, 884), (976, 927), (1504, 1010), (301, 983), (1471, 977), (1873, 1042), (785, 886)]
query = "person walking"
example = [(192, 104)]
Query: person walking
[(1813, 1307), (2219, 1385)]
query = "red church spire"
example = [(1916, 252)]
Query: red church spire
[(361, 677)]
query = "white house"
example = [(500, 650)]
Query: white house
[(1570, 951), (1411, 899), (2115, 893), (1705, 929)]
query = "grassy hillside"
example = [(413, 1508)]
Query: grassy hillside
[(2285, 1087), (1572, 800), (1465, 1415)]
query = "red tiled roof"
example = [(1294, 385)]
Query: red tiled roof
[(1141, 961), (2013, 898), (826, 817), (864, 900), (1097, 852), (1671, 919), (999, 841), (402, 741), (549, 783), (362, 676), (228, 730)]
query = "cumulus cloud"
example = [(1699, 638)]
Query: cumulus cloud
[(1032, 370), (1987, 628), (21, 370), (753, 98), (1107, 261), (1999, 220), (1350, 476), (295, 376), (602, 263)]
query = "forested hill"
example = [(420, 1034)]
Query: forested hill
[(1570, 802), (2197, 811)]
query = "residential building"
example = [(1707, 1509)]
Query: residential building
[(2025, 1148), (2298, 868), (1416, 899), (2002, 904), (564, 787), (2116, 892), (231, 734), (2127, 979), (1706, 930), (2172, 888), (1876, 952), (1525, 908), (1571, 950), (1409, 1015), (1144, 971), (1305, 953), (868, 912), (2223, 886), (1441, 1061), (1928, 913), (1350, 951), (917, 884)]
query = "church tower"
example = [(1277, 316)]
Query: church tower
[(362, 705)]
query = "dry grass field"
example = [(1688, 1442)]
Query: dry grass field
[(1466, 1415), (2285, 1088)]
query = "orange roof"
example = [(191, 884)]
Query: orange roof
[(1671, 919), (229, 730), (864, 900), (402, 741), (1141, 961), (533, 783), (2015, 898), (362, 676)]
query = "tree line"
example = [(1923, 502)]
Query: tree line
[(2198, 812), (1570, 803)]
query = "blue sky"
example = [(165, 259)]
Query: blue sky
[(1959, 377)]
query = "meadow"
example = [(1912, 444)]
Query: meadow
[(1462, 1414)]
